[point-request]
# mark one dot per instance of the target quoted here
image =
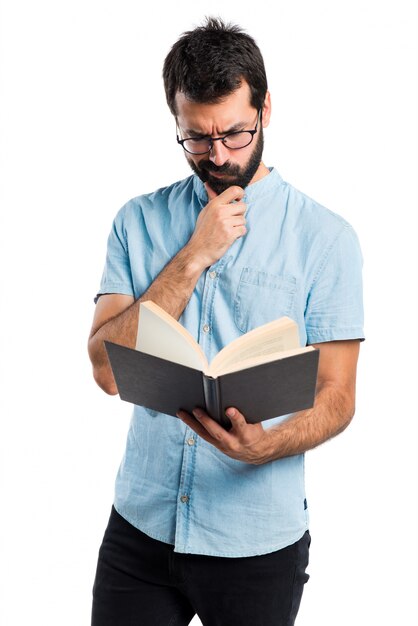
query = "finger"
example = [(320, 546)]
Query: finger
[(238, 421), (232, 193), (237, 208), (217, 432), (237, 220), (239, 231), (244, 432), (195, 425)]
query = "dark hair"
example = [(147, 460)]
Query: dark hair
[(210, 62)]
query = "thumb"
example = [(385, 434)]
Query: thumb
[(210, 192)]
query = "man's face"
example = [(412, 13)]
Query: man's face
[(221, 167)]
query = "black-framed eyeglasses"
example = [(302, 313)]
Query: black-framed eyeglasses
[(233, 141)]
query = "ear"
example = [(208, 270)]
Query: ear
[(266, 110)]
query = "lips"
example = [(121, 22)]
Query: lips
[(218, 174), (208, 168)]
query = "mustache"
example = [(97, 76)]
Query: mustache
[(225, 168)]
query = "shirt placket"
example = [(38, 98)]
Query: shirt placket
[(191, 440)]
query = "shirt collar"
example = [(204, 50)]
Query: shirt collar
[(252, 192)]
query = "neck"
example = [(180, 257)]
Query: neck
[(260, 173)]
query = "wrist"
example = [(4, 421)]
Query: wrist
[(193, 262), (264, 452)]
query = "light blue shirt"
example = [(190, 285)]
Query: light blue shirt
[(297, 259)]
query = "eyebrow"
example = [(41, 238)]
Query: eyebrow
[(232, 129)]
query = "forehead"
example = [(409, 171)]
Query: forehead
[(220, 116)]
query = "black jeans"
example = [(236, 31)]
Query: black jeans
[(143, 582)]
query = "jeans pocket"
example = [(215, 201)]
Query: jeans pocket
[(262, 297)]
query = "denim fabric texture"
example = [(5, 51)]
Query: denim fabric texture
[(297, 259), (144, 582)]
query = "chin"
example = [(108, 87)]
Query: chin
[(218, 185)]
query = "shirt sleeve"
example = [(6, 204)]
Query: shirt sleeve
[(334, 308), (117, 275)]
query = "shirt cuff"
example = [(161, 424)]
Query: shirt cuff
[(319, 335), (114, 288)]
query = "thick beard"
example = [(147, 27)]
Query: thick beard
[(237, 175)]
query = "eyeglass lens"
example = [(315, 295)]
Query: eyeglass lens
[(233, 141)]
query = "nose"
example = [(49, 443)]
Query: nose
[(219, 153)]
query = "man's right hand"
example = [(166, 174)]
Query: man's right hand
[(116, 318), (219, 224)]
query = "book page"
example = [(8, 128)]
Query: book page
[(276, 336), (161, 335), (259, 360)]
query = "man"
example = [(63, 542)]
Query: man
[(205, 520)]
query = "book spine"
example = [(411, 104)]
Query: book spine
[(213, 402)]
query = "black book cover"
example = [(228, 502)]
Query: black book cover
[(259, 392)]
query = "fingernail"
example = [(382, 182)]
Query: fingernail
[(230, 412)]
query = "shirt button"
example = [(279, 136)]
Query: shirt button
[(212, 274), (206, 328), (184, 499), (190, 441)]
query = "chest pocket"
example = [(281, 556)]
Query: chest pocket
[(262, 297)]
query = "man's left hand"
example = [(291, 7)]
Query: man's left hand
[(244, 442)]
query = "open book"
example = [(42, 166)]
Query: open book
[(264, 373)]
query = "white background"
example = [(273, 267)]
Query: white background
[(84, 127)]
